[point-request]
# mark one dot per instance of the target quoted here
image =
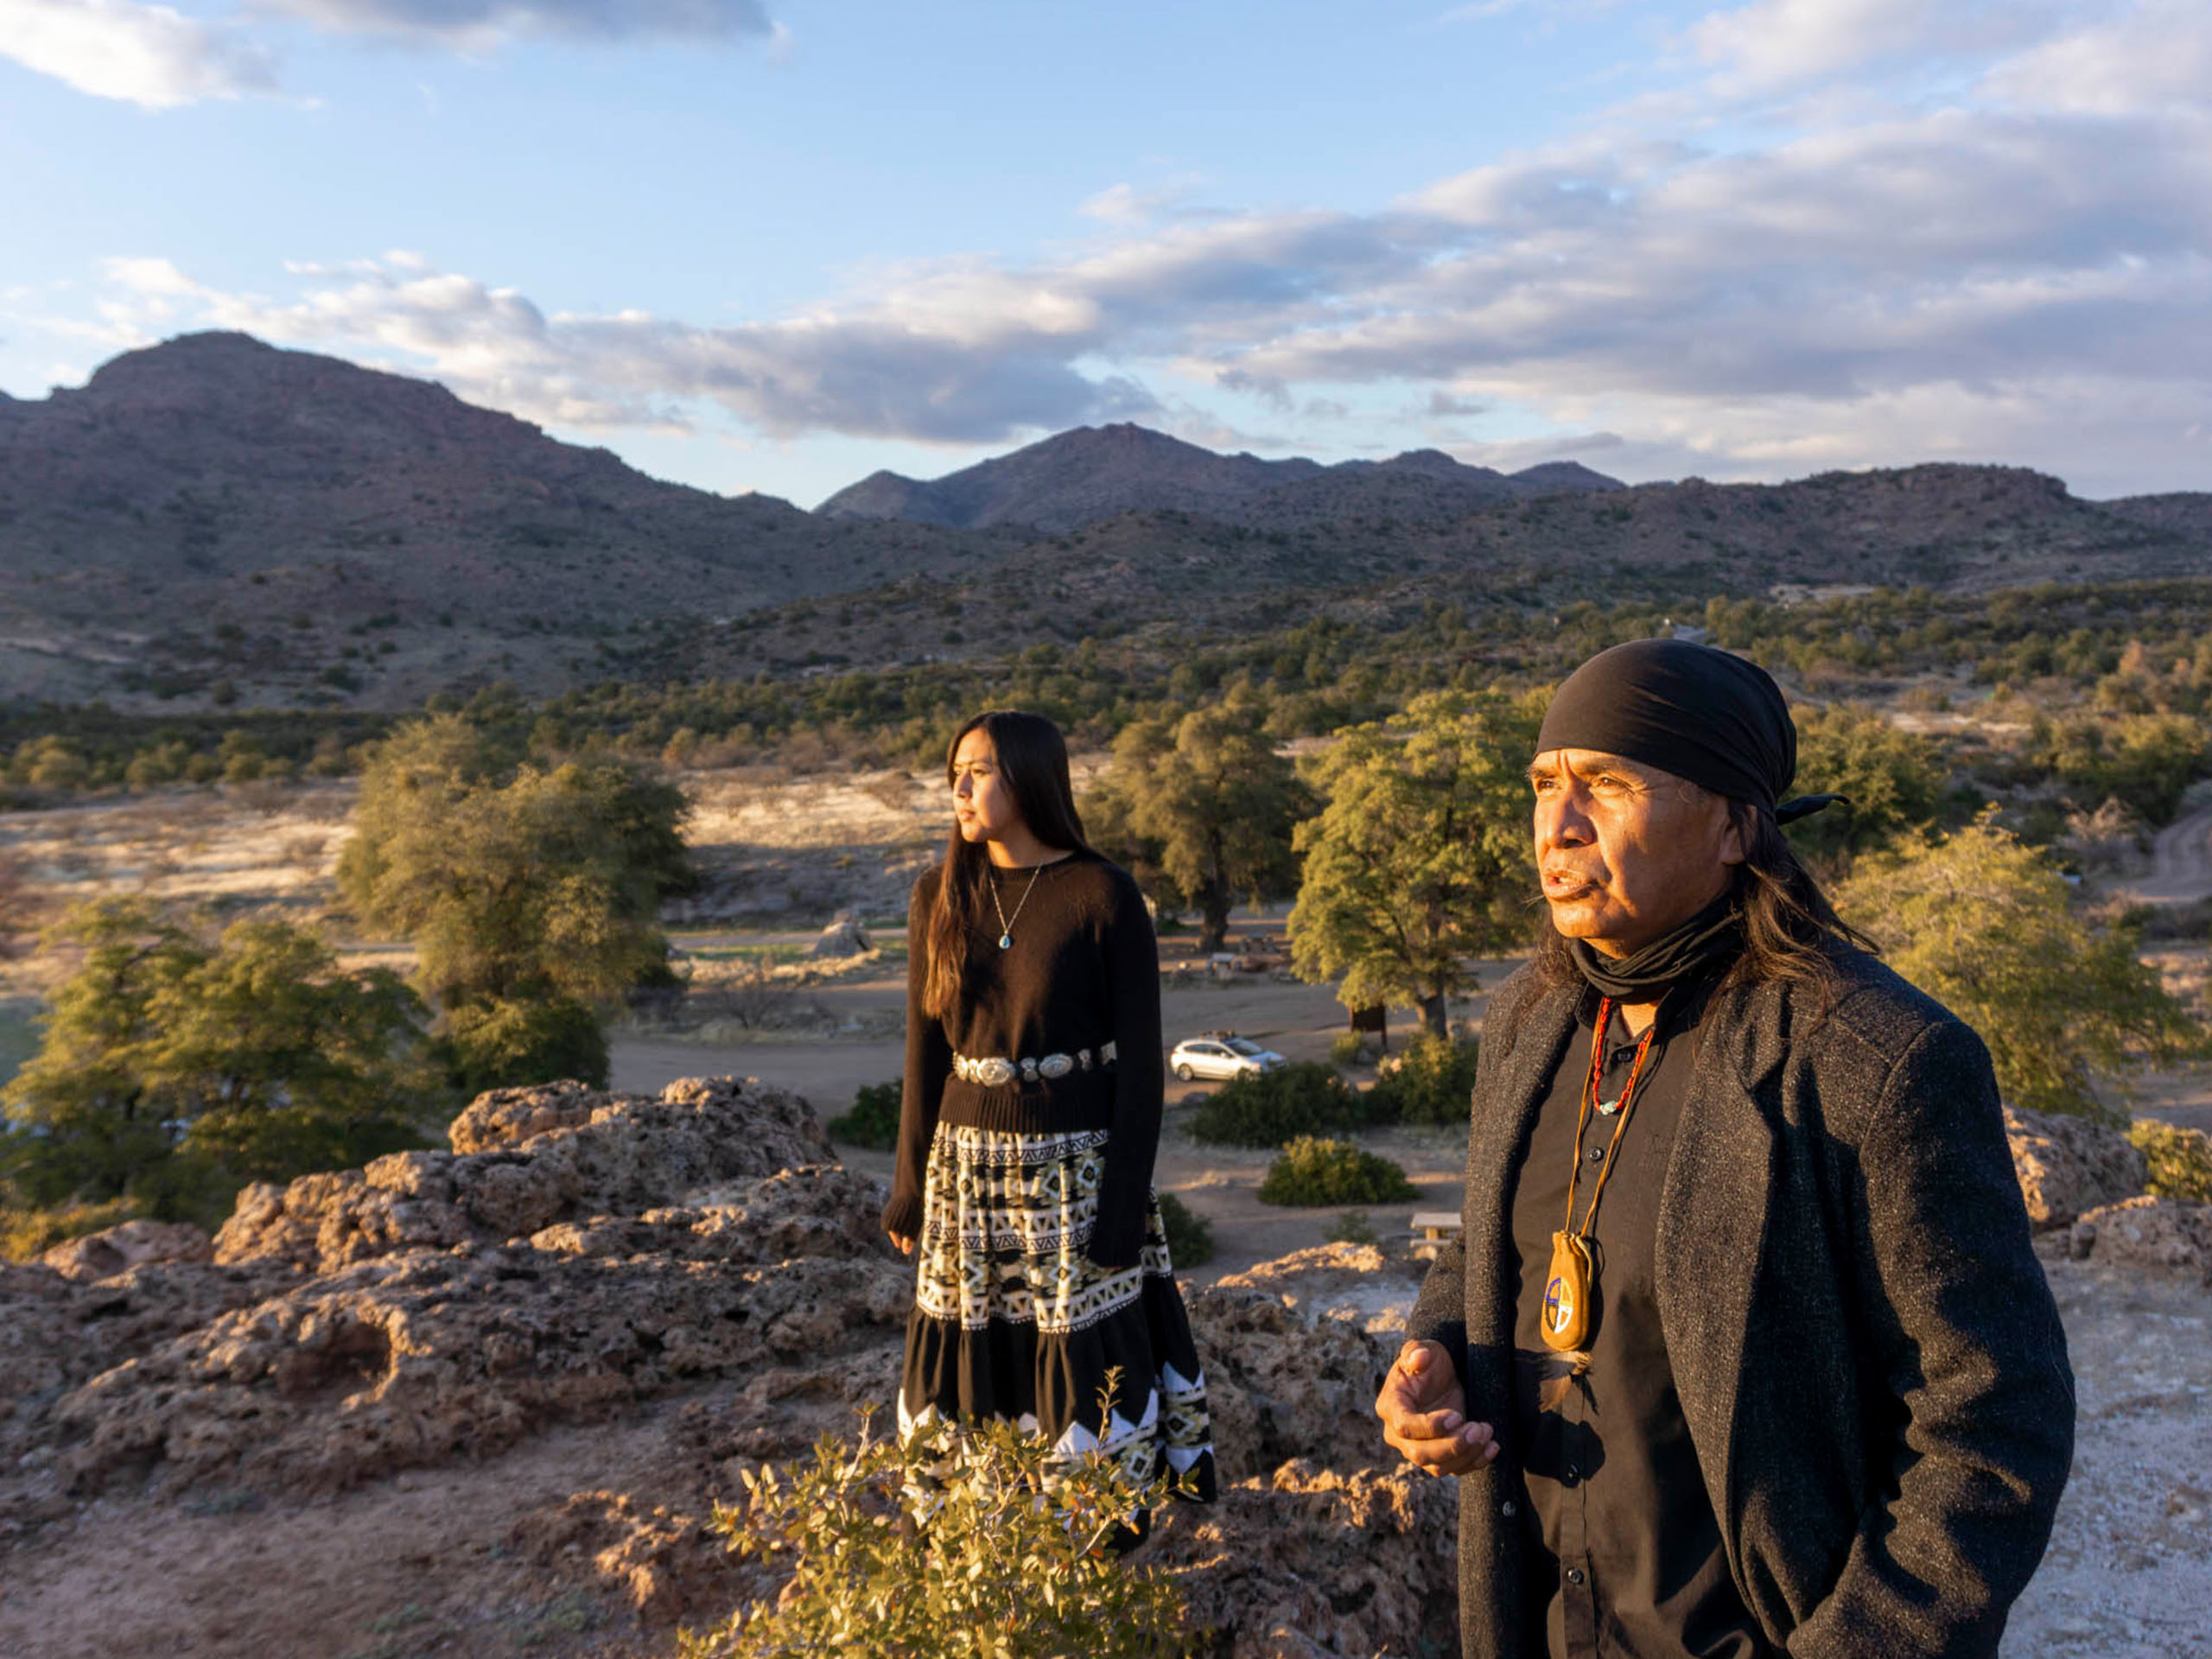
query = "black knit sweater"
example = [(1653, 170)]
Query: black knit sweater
[(1082, 970)]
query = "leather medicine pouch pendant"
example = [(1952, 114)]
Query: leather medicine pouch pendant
[(1568, 1290)]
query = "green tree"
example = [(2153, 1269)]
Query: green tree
[(1421, 857), (2144, 760), (530, 892), (1893, 779), (171, 1071), (1984, 924), (1211, 805)]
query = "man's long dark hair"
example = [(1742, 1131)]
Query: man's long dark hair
[(1032, 758), (1789, 926)]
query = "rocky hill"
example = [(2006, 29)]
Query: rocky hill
[(215, 508), (216, 523), (1092, 473)]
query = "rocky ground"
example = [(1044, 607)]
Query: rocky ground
[(482, 1402)]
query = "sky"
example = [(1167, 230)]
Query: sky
[(776, 244)]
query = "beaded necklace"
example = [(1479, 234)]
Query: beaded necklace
[(1570, 1289)]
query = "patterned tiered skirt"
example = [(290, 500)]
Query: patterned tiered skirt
[(1011, 1319)]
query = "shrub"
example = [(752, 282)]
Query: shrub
[(873, 1120), (27, 1233), (1268, 1109), (1349, 1048), (2180, 1160), (1433, 1083), (972, 1544), (1987, 926), (506, 1042), (1313, 1171), (1190, 1235), (1353, 1227), (172, 1069)]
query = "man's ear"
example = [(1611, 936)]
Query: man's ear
[(1736, 836)]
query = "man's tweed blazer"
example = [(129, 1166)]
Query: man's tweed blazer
[(1869, 1360)]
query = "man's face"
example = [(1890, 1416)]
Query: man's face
[(1627, 852)]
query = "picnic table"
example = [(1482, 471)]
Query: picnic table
[(1432, 1230)]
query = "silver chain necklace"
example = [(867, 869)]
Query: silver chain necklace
[(1007, 922)]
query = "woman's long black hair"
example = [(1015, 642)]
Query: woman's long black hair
[(1032, 757)]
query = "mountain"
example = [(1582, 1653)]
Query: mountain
[(1092, 473), (215, 523), (214, 488)]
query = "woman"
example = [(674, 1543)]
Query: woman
[(1028, 1130)]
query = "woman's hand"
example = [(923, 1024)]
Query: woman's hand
[(904, 1241), (1423, 1410)]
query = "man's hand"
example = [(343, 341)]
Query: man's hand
[(1424, 1413), (904, 1242)]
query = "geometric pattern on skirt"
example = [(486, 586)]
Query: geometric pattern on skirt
[(1012, 1319)]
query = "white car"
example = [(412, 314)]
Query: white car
[(1220, 1057)]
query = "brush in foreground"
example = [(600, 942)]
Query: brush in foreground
[(969, 1543)]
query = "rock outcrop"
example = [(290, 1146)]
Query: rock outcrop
[(523, 1159), (573, 1254), (2148, 1235), (844, 938), (131, 1244), (1311, 1561), (2069, 1164)]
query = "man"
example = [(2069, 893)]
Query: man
[(1744, 1349)]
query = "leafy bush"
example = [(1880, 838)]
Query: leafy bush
[(1349, 1048), (506, 1042), (27, 1233), (1353, 1227), (1984, 925), (873, 1120), (1313, 1172), (970, 1544), (1268, 1109), (1190, 1235), (1433, 1083), (2180, 1161), (172, 1069)]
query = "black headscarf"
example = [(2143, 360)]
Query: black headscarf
[(1702, 714)]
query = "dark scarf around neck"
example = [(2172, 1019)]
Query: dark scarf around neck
[(1699, 947)]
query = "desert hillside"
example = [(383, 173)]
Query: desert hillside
[(214, 526)]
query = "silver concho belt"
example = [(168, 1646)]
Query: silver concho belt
[(994, 1071)]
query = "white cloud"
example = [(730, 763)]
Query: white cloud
[(2158, 54), (1776, 44), (481, 24), (151, 56), (2018, 269)]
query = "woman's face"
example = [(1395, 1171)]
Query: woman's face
[(983, 805)]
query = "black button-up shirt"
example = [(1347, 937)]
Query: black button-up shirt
[(1624, 1552)]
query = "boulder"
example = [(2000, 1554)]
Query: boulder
[(507, 1117), (1282, 1385), (1312, 1561), (2148, 1235), (133, 1244), (559, 1154), (1362, 1282), (844, 938), (2068, 1165)]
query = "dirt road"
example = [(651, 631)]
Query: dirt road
[(2181, 862)]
